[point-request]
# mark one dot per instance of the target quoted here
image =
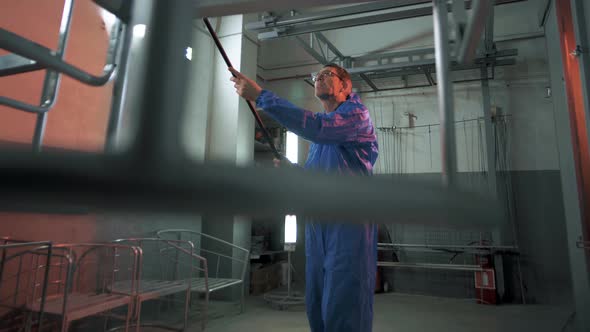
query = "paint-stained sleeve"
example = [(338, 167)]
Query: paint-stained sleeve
[(350, 122)]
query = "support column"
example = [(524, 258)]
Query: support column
[(230, 125), (445, 92)]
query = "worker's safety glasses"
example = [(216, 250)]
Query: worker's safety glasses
[(320, 76)]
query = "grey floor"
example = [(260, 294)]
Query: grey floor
[(408, 313)]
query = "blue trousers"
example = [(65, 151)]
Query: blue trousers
[(341, 262)]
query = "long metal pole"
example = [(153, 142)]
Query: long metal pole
[(250, 103), (445, 92)]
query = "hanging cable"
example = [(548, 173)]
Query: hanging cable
[(392, 138), (406, 153), (413, 152), (402, 153), (482, 155), (389, 148)]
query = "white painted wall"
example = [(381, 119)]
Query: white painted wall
[(223, 121), (194, 131), (531, 127), (218, 124)]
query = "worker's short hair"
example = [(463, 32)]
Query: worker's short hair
[(342, 73)]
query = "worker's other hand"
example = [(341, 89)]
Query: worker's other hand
[(245, 87)]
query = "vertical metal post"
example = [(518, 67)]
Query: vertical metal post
[(119, 87), (52, 78), (445, 92), (163, 85), (45, 284), (491, 158), (569, 28), (489, 32), (289, 273), (39, 129), (580, 24), (490, 140)]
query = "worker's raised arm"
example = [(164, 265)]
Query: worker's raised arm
[(349, 122)]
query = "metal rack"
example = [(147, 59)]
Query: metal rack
[(81, 279), (24, 279), (476, 249), (215, 255), (29, 56)]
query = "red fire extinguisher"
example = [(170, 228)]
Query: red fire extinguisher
[(485, 280)]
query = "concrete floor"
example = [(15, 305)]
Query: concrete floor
[(408, 313)]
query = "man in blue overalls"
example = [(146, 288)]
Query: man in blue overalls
[(340, 258)]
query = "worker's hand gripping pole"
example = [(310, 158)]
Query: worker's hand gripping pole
[(265, 132)]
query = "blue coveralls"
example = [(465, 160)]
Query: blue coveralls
[(341, 259)]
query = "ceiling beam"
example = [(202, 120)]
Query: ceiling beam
[(216, 8), (274, 22), (311, 51), (425, 62), (472, 36), (366, 20), (330, 46), (300, 28), (369, 82), (420, 70)]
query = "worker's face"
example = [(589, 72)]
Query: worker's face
[(328, 84)]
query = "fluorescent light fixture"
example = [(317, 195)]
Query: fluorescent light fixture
[(292, 147), (290, 229), (189, 53), (139, 30)]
